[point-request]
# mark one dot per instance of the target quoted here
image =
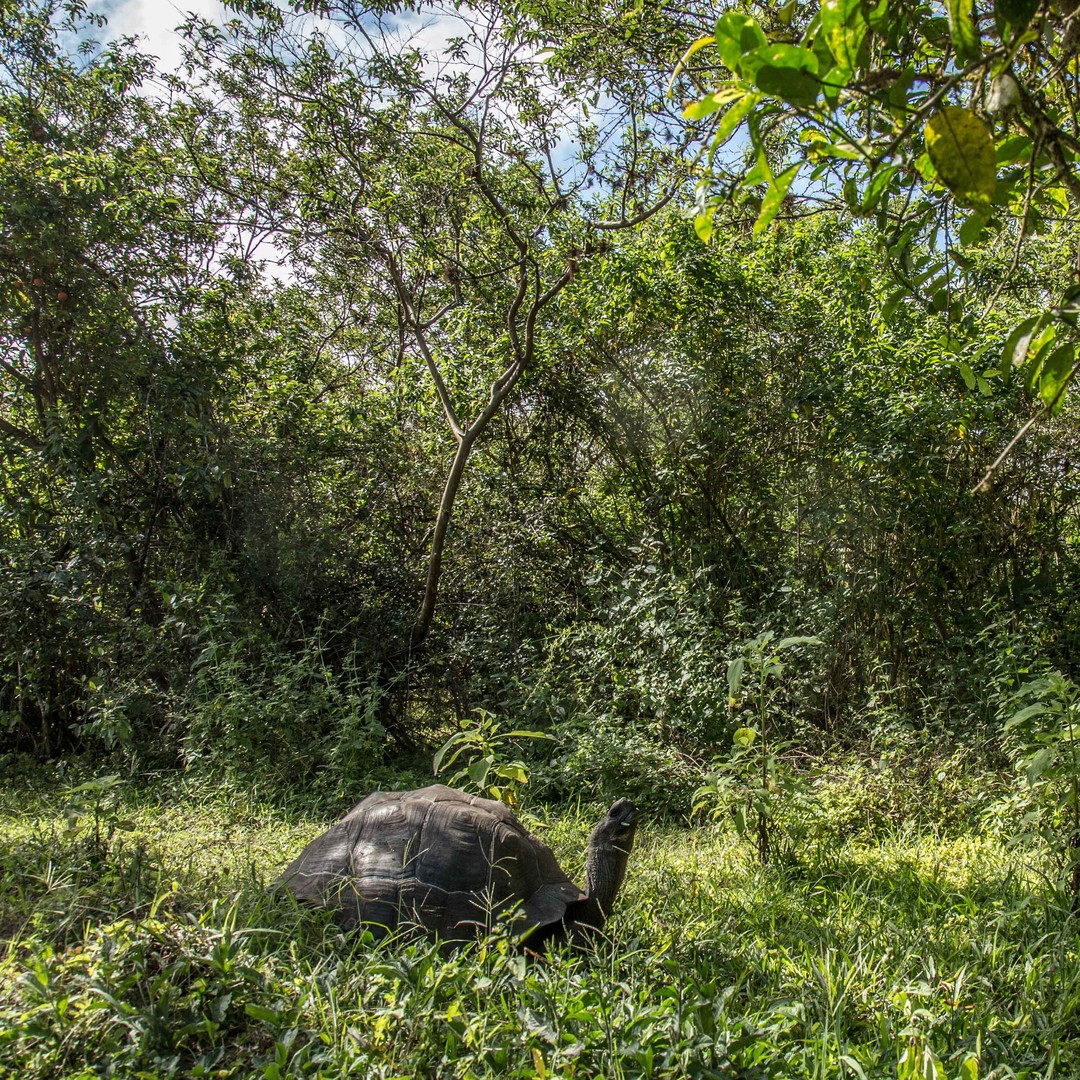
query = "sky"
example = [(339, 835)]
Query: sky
[(154, 23)]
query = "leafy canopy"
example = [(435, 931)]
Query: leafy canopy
[(953, 126)]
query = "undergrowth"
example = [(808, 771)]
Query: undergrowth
[(140, 939)]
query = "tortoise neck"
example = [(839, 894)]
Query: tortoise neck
[(605, 868)]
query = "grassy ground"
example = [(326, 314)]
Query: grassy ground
[(136, 940)]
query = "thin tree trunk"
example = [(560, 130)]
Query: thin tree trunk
[(422, 626)]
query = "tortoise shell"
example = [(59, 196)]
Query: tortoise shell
[(435, 859)]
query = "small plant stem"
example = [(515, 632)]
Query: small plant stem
[(763, 825), (1074, 779)]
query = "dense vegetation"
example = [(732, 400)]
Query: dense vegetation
[(366, 385)]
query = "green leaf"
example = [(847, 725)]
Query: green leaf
[(744, 736), (821, 147), (788, 642), (967, 375), (699, 110), (962, 30), (962, 151), (787, 12), (762, 172), (794, 87), (774, 198), (1039, 349), (844, 27), (879, 183), (98, 786), (1055, 374), (898, 92), (853, 1066), (936, 31), (969, 1068), (731, 120), (736, 35), (734, 677), (710, 103), (892, 302), (458, 742), (512, 772), (1014, 150), (1068, 310), (478, 770), (814, 39), (267, 1016), (1017, 13), (1016, 344), (1038, 709), (701, 43), (1038, 764), (972, 228), (784, 56), (925, 168), (772, 667), (436, 762)]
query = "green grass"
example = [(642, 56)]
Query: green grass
[(145, 944)]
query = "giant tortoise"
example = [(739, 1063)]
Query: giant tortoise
[(451, 865)]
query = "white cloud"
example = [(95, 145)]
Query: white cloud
[(154, 23)]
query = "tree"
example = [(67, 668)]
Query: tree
[(100, 250), (448, 196)]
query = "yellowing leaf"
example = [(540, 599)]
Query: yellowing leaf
[(701, 43), (732, 119), (962, 151), (774, 198), (724, 95)]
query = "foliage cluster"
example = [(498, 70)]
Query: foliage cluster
[(953, 124)]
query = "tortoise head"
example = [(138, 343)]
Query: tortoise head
[(615, 830)]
